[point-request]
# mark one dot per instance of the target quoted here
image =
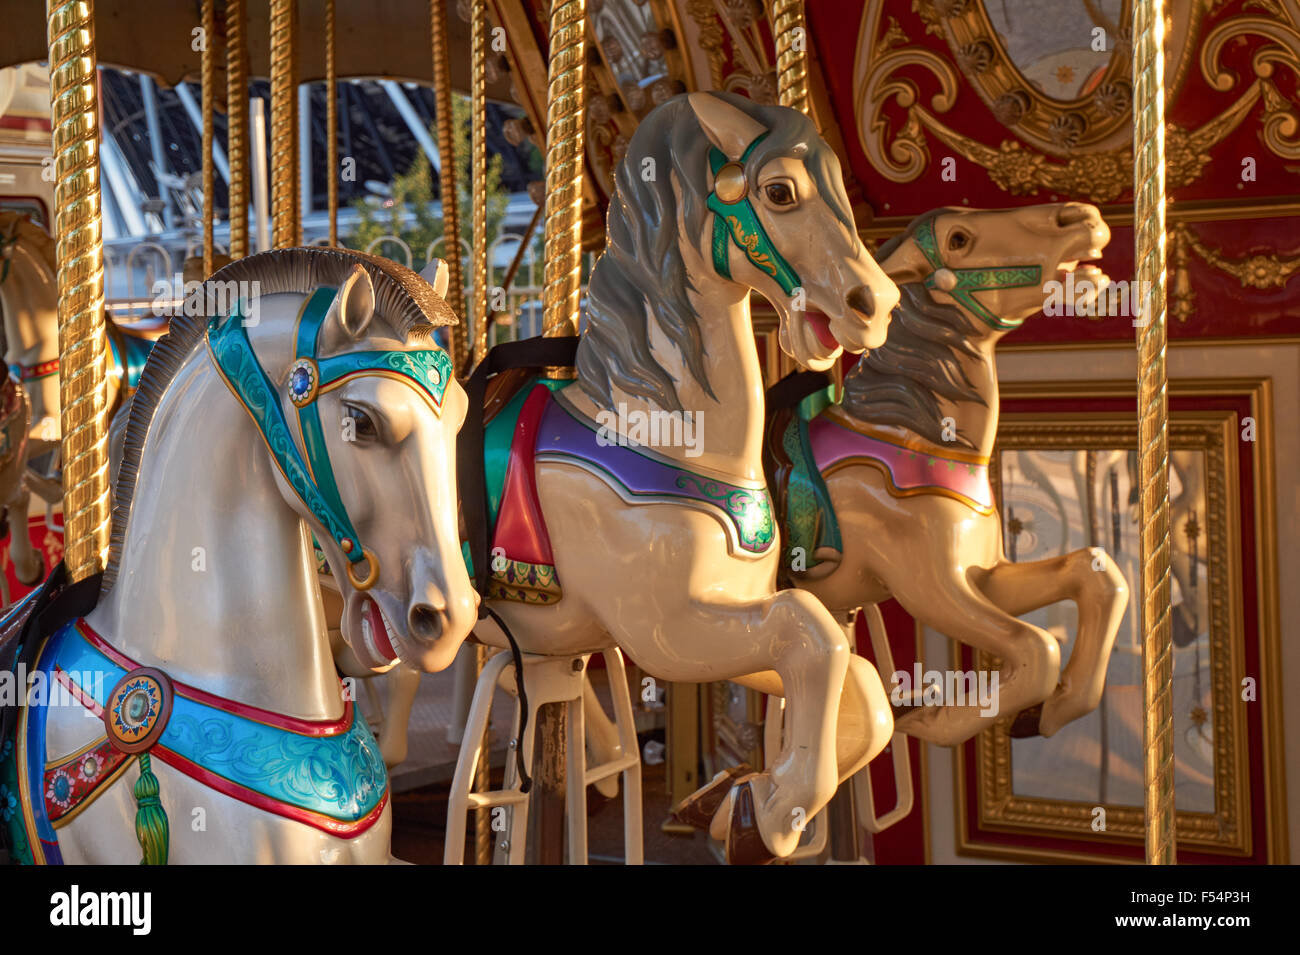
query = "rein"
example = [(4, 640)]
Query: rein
[(734, 217), (309, 471), (964, 282)]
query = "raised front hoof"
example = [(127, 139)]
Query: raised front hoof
[(32, 574), (745, 845), (699, 808), (1026, 723)]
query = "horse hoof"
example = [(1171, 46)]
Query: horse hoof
[(1026, 722), (699, 808), (745, 844)]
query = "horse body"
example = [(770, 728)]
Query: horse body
[(669, 330), (213, 576), (932, 391)]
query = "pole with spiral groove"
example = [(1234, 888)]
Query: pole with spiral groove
[(237, 125), (1153, 428), (447, 183), (80, 249), (331, 124), (208, 98), (478, 174), (566, 108), (287, 231), (791, 33)]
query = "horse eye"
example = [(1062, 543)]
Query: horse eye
[(958, 240), (780, 194), (364, 426)]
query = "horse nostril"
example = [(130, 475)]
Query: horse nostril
[(861, 300), (424, 622), (1072, 213)]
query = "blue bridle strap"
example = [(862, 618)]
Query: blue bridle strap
[(308, 471), (738, 221)]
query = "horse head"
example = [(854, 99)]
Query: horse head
[(996, 264), (361, 426)]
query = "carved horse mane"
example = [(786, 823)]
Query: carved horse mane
[(19, 225), (403, 299), (924, 359), (642, 273)]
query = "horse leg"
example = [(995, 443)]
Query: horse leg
[(1093, 581), (1031, 658), (602, 737), (28, 564), (401, 685)]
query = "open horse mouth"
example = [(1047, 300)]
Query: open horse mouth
[(378, 636), (821, 326)]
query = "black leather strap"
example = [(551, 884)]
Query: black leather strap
[(794, 388)]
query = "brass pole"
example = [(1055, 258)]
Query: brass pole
[(1153, 427), (208, 99), (478, 175), (237, 125), (332, 123), (791, 33), (566, 108), (287, 231), (447, 178), (74, 100)]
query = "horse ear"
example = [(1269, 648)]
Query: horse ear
[(436, 274), (356, 302), (728, 128), (905, 264)]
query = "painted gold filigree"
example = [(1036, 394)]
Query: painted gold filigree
[(1261, 270)]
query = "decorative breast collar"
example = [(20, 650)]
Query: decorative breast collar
[(328, 775)]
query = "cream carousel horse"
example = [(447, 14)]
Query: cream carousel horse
[(670, 551), (15, 421), (888, 493), (29, 306), (321, 406)]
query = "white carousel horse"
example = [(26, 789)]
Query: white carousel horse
[(670, 551), (321, 407), (894, 496)]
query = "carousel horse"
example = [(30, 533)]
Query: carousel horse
[(322, 407), (29, 306), (602, 535), (15, 421), (888, 495)]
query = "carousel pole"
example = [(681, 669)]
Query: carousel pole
[(286, 227), (566, 108), (331, 124), (237, 126), (566, 111), (208, 98), (478, 314), (80, 250), (1153, 427), (447, 179)]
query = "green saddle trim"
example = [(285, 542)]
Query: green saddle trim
[(810, 521)]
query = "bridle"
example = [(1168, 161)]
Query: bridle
[(308, 471), (734, 216), (965, 282)]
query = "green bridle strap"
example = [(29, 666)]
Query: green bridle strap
[(739, 221), (308, 471), (970, 281)]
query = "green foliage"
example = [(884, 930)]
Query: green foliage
[(411, 214)]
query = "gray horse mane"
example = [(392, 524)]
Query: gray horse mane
[(404, 300), (641, 272), (923, 359)]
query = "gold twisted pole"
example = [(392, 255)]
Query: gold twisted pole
[(80, 250), (447, 178), (208, 97), (332, 123), (1153, 427), (566, 108), (791, 33), (237, 126), (478, 174), (284, 125)]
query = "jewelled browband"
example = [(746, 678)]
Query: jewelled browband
[(974, 280), (734, 217), (309, 472)]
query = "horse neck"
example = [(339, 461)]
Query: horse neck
[(978, 419), (216, 581), (30, 304)]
